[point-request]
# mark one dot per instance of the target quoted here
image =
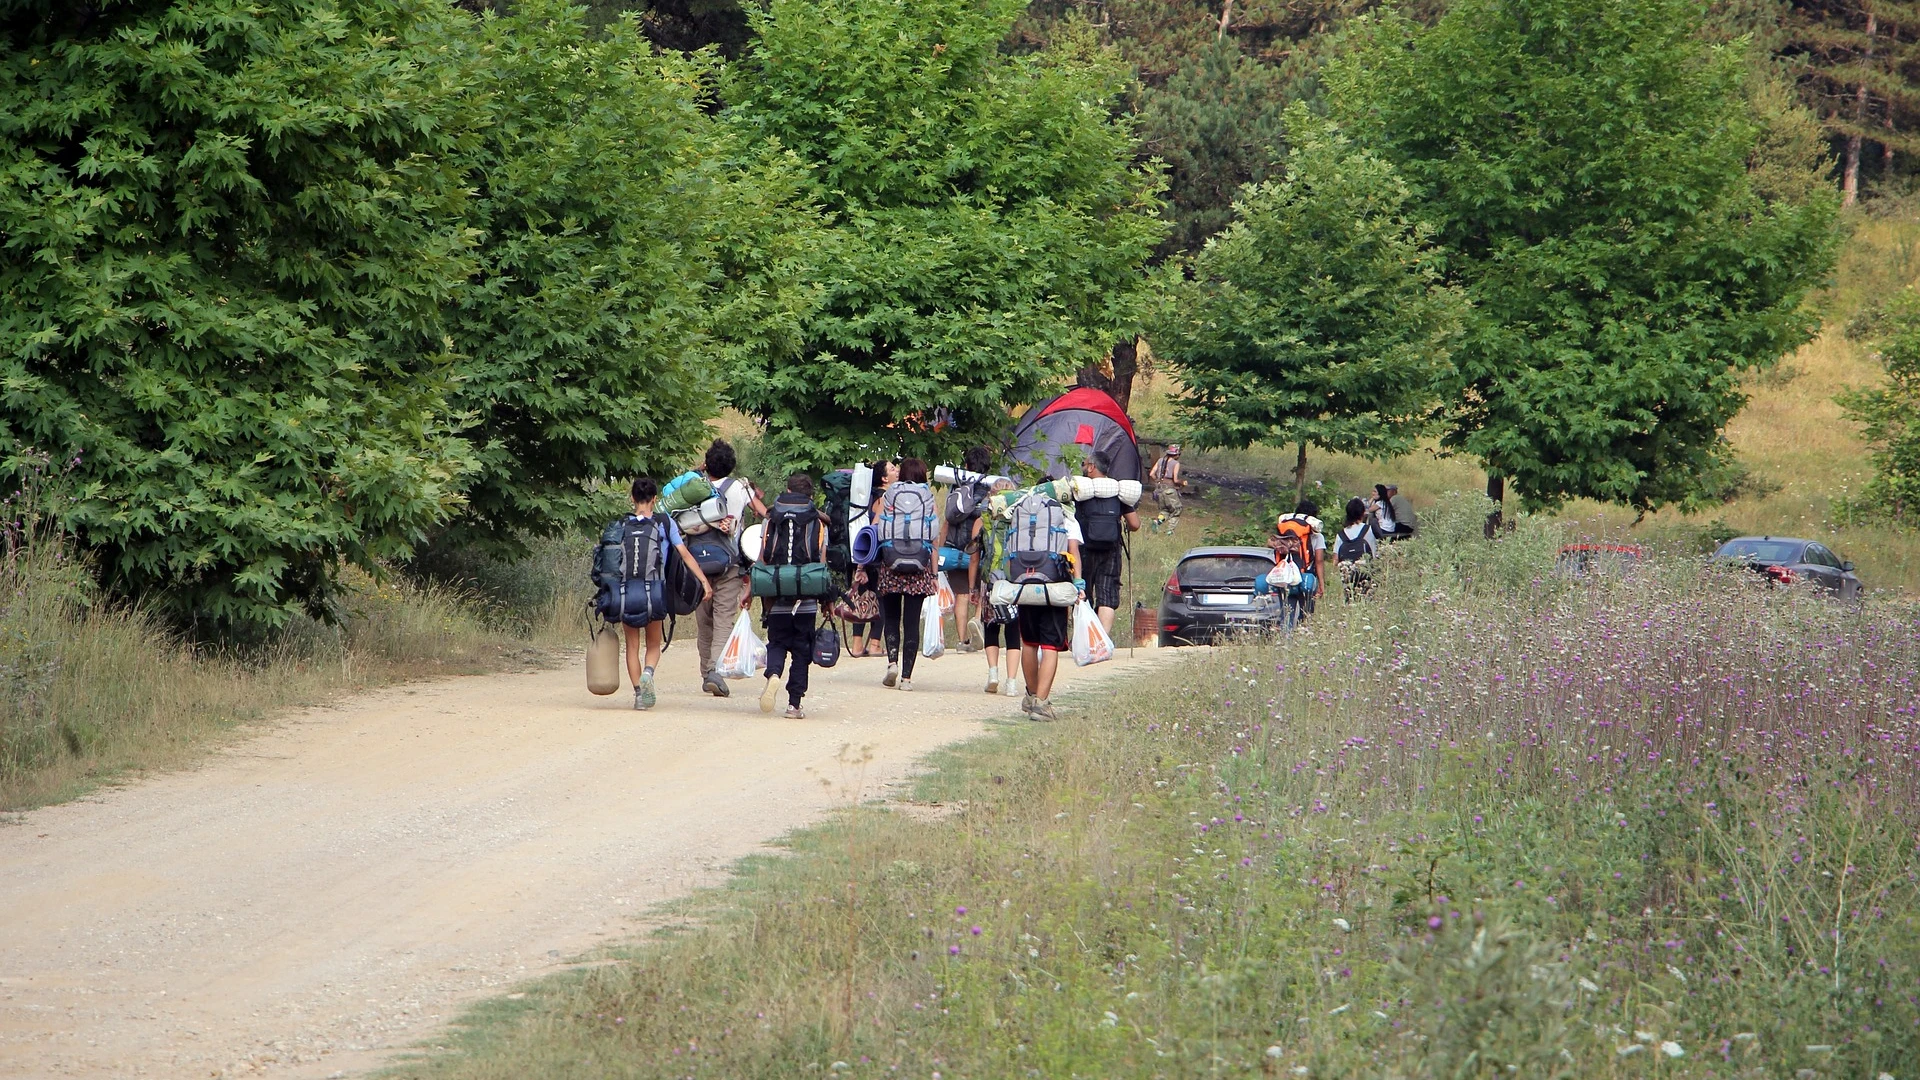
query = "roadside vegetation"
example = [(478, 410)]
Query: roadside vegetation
[(1485, 822)]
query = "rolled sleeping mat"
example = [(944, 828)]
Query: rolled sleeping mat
[(866, 545), (1106, 487), (684, 492), (1009, 594), (1001, 504), (751, 540), (860, 491), (953, 474)]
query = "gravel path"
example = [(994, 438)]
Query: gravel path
[(341, 885)]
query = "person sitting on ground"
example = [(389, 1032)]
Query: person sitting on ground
[(645, 492), (1353, 545), (1406, 524), (1104, 523), (790, 623), (1168, 483), (1043, 634), (1381, 507), (713, 619), (1001, 625)]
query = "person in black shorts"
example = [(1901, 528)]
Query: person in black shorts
[(1104, 525), (1043, 636)]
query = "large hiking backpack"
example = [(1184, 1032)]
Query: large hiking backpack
[(1036, 553), (906, 529), (1100, 524), (836, 491), (964, 503), (630, 567), (791, 564), (1301, 528)]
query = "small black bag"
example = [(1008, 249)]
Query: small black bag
[(826, 646)]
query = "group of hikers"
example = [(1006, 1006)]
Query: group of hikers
[(873, 553), (1301, 549)]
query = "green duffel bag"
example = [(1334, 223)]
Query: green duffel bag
[(805, 581)]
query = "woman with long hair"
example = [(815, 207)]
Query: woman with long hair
[(901, 597), (862, 596)]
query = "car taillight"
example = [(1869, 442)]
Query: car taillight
[(1173, 583), (1780, 574)]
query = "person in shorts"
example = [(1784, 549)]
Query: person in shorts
[(1000, 623), (1100, 563), (1043, 635)]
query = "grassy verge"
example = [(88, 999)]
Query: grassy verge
[(91, 692), (1482, 823)]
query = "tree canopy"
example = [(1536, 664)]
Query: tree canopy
[(1584, 163), (987, 221)]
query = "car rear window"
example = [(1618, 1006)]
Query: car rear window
[(1762, 551), (1222, 570)]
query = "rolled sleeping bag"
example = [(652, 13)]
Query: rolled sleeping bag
[(866, 545), (952, 474), (860, 492), (1106, 487), (1001, 504), (1009, 594), (685, 491), (751, 541)]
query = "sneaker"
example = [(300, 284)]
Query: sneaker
[(964, 646), (1010, 687), (892, 676), (993, 680), (771, 695), (795, 712), (906, 684), (976, 634), (1027, 703), (643, 695), (715, 685), (1042, 710)]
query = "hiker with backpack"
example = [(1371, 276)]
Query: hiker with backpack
[(1167, 484), (1353, 547), (646, 575), (863, 592), (1104, 525), (959, 548), (1000, 623), (791, 577), (1303, 526), (715, 541), (907, 521), (1042, 550)]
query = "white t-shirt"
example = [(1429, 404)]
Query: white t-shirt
[(1383, 515), (1073, 529), (730, 503), (1364, 530)]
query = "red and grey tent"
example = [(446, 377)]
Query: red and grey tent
[(1074, 425)]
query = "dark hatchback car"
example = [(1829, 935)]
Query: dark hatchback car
[(1786, 560), (1215, 591)]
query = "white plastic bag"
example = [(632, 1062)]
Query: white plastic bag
[(1091, 642), (933, 632), (745, 652), (1284, 575), (945, 595)]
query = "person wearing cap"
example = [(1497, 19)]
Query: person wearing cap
[(1167, 483), (1405, 522)]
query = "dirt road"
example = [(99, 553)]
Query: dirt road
[(342, 884)]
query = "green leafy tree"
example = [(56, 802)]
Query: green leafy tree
[(988, 224), (1584, 163), (1318, 317), (1858, 63), (1890, 418), (227, 232), (1217, 125), (598, 183)]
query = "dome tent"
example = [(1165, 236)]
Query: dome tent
[(1070, 428)]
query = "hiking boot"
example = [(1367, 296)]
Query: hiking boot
[(715, 685), (643, 695), (993, 680), (892, 676), (1027, 703), (795, 712), (1042, 710), (770, 696), (906, 684), (976, 634)]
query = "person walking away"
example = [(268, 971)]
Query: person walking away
[(1353, 546), (1406, 523), (1168, 484), (907, 520), (633, 579), (796, 535), (963, 510), (1104, 523), (1000, 624), (1304, 525), (1290, 576), (863, 595), (713, 619), (1040, 550)]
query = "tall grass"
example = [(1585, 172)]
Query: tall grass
[(92, 690), (1488, 822)]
